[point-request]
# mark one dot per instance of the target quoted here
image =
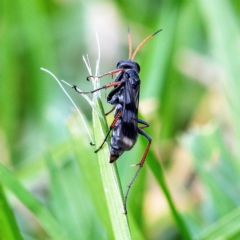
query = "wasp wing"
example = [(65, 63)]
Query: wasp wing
[(131, 99), (130, 111)]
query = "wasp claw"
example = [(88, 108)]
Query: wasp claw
[(88, 78)]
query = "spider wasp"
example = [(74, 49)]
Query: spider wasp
[(125, 99)]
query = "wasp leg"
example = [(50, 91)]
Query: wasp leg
[(95, 90), (140, 164), (140, 131), (110, 129), (110, 111), (146, 124), (105, 74), (129, 186)]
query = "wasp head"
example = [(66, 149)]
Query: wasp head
[(128, 64)]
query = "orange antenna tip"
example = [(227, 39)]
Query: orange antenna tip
[(156, 32), (143, 42)]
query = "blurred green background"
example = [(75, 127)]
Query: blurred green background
[(50, 185)]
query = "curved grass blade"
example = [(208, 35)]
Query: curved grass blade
[(109, 173), (9, 228), (38, 209)]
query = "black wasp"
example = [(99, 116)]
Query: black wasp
[(125, 99)]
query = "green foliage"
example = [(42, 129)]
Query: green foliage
[(189, 95)]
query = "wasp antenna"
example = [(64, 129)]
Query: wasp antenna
[(129, 43), (143, 42), (156, 32)]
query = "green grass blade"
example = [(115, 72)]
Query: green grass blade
[(109, 173), (43, 215), (9, 228), (110, 179), (227, 227), (159, 174), (223, 36), (88, 167)]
